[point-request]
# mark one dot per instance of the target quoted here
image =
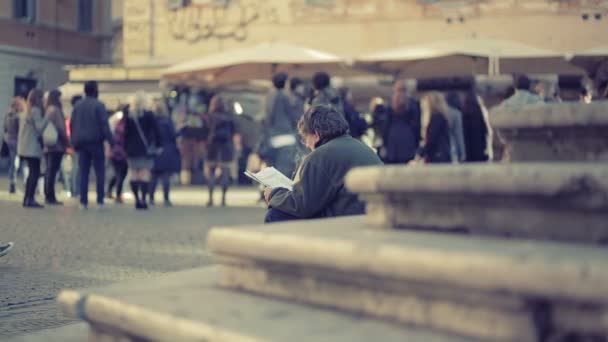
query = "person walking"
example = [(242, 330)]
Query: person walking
[(436, 147), (220, 147), (168, 162), (29, 146), (454, 114), (324, 93), (5, 248), (118, 158), (89, 129), (11, 135), (141, 144), (54, 152)]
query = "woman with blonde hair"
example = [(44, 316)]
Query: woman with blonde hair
[(435, 132), (220, 148), (11, 136), (29, 147), (168, 162), (54, 153), (141, 144)]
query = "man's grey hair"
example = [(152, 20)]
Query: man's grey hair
[(326, 121)]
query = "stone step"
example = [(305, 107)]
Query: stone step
[(554, 201), (189, 306), (484, 288)]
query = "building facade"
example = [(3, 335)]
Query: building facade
[(169, 31), (39, 37)]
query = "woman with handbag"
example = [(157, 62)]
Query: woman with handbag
[(141, 144), (55, 144), (29, 145), (11, 135)]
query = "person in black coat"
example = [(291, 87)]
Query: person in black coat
[(142, 140), (402, 129), (168, 162), (436, 147), (476, 129)]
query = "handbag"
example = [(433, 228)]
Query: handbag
[(50, 135), (4, 152), (150, 151)]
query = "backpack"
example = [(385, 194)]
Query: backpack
[(223, 132), (357, 124)]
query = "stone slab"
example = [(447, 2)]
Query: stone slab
[(191, 301), (556, 131), (556, 201)]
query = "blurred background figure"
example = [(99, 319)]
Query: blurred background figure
[(141, 144), (477, 130), (436, 132), (10, 139), (118, 156), (356, 124), (324, 93), (401, 129), (54, 151), (168, 162), (31, 125), (523, 94), (220, 147), (457, 143)]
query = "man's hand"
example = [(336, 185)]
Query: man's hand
[(267, 193)]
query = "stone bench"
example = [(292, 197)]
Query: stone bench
[(553, 201), (484, 288), (556, 131), (189, 306)]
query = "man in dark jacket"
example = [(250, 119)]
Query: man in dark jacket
[(324, 93), (319, 189), (89, 129)]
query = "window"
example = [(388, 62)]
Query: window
[(24, 10), (85, 15)]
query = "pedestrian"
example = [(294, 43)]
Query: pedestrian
[(477, 130), (89, 129), (279, 142), (141, 144), (357, 125), (71, 170), (5, 248), (522, 95), (168, 162), (401, 131), (457, 144), (118, 158), (11, 135), (54, 152), (324, 93), (220, 147), (319, 190), (297, 97), (436, 141), (29, 146)]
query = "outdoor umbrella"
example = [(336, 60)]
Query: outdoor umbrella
[(594, 61), (465, 57), (256, 62)]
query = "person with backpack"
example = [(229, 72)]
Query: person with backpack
[(220, 147), (55, 148)]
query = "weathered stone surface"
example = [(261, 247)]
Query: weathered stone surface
[(479, 287), (558, 131), (558, 201), (188, 306)]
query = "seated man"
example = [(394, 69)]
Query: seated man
[(319, 189)]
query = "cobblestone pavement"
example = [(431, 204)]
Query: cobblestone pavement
[(65, 247)]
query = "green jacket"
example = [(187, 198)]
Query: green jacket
[(319, 189)]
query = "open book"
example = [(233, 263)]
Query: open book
[(271, 178)]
